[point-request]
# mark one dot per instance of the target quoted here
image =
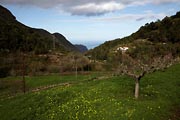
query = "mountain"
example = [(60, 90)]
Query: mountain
[(166, 30), (151, 40), (5, 14), (64, 42), (15, 36), (81, 48)]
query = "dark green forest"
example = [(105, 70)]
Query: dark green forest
[(14, 36)]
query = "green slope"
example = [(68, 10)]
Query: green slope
[(106, 99)]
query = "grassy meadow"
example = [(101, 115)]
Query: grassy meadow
[(104, 99), (37, 81)]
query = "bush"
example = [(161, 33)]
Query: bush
[(4, 71)]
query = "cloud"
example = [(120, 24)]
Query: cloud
[(132, 17), (92, 9), (164, 1), (147, 15), (86, 7)]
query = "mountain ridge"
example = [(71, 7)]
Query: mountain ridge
[(64, 42), (15, 36)]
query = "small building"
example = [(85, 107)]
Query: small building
[(123, 49)]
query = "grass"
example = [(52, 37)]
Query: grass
[(10, 87), (108, 99), (36, 81)]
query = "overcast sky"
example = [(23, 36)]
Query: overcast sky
[(90, 22)]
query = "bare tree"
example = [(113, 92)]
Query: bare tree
[(23, 58), (79, 62), (137, 69), (74, 61)]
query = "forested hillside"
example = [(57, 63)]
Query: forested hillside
[(34, 51), (166, 30), (14, 36), (152, 39)]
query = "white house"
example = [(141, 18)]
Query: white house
[(123, 49)]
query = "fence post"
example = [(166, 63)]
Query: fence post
[(23, 73)]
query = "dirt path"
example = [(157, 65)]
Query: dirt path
[(48, 87), (66, 84), (9, 96)]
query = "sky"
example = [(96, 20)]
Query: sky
[(90, 22)]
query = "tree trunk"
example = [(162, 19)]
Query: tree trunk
[(137, 88)]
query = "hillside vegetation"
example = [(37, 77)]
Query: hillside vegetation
[(40, 51), (14, 36), (153, 39)]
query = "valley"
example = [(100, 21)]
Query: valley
[(44, 76)]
